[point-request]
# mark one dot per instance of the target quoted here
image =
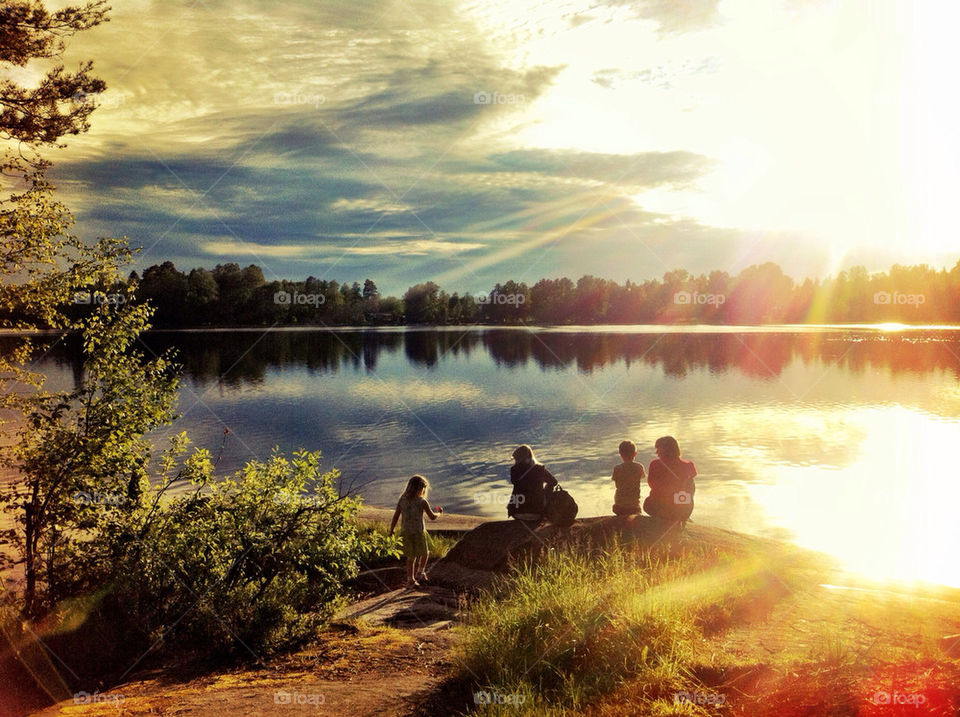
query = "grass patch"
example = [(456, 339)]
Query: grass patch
[(561, 633), (699, 629), (576, 625)]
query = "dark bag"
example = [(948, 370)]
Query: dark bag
[(561, 508)]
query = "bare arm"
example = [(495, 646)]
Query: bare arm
[(430, 513), (396, 517)]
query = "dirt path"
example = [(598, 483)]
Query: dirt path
[(385, 655), (363, 668)]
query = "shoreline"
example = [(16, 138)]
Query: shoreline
[(700, 328), (394, 647), (449, 522)]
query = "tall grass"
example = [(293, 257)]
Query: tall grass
[(578, 624)]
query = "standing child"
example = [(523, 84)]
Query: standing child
[(412, 505), (628, 477)]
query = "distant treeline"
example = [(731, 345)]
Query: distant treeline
[(229, 295)]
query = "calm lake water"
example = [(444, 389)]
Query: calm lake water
[(835, 437)]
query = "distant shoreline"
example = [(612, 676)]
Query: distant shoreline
[(883, 327)]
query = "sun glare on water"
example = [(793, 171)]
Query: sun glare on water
[(891, 513)]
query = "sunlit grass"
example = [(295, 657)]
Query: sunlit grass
[(619, 630), (577, 626)]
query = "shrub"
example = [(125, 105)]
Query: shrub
[(255, 562)]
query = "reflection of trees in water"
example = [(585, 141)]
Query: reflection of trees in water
[(755, 354), (235, 358)]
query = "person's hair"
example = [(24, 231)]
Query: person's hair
[(669, 446), (628, 449), (417, 484), (524, 454)]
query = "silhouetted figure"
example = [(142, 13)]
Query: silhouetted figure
[(531, 481), (671, 483), (628, 477)]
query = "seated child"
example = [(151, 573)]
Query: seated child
[(628, 476)]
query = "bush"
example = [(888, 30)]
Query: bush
[(254, 563)]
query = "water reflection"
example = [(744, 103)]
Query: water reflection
[(236, 357), (830, 438)]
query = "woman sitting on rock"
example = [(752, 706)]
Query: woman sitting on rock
[(671, 483), (531, 481)]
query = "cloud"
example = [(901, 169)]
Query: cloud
[(370, 246), (648, 169), (673, 17), (661, 76), (376, 160)]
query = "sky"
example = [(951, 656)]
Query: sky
[(473, 142)]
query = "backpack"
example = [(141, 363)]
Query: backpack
[(561, 508)]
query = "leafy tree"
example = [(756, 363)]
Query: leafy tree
[(425, 303), (167, 289), (80, 454), (202, 294), (552, 300)]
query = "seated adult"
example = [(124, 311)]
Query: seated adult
[(671, 483), (531, 480)]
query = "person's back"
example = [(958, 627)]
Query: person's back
[(672, 487), (671, 483), (627, 477), (411, 514), (530, 481)]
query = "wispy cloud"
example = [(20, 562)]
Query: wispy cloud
[(471, 142)]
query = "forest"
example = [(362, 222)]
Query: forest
[(229, 295)]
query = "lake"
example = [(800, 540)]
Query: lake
[(836, 438)]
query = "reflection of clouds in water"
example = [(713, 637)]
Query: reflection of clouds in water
[(753, 440), (853, 468), (412, 391), (384, 434)]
